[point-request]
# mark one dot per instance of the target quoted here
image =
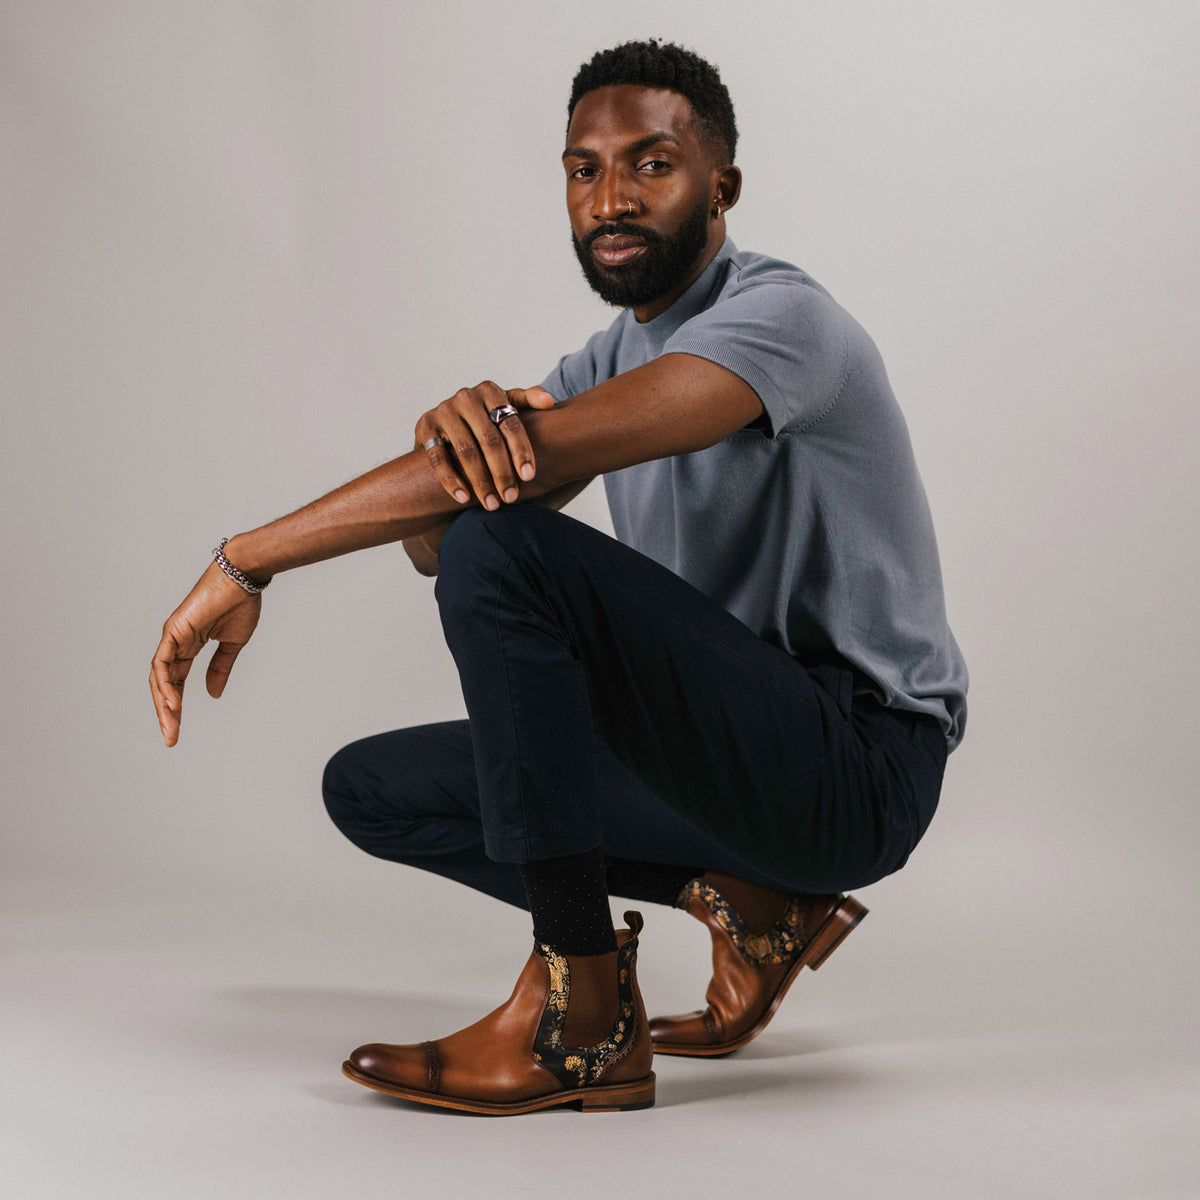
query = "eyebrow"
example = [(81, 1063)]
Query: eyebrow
[(643, 143)]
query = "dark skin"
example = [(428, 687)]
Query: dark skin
[(653, 179), (612, 174), (676, 404), (634, 155)]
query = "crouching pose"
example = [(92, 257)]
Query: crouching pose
[(741, 706)]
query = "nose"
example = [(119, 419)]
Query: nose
[(615, 199)]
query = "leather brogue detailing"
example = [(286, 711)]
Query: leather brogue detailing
[(433, 1067), (780, 944), (513, 1060), (578, 1066)]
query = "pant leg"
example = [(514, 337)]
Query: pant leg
[(559, 631), (410, 796)]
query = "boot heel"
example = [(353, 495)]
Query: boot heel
[(830, 936), (619, 1097)]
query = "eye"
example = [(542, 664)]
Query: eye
[(583, 172), (654, 165)]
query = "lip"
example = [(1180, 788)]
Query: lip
[(614, 250)]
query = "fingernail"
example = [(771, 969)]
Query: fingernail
[(510, 495), (527, 470), (461, 496), (491, 504)]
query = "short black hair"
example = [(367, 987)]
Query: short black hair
[(658, 64)]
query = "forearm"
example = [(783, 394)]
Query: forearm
[(676, 404), (400, 499)]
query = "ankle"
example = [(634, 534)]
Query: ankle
[(759, 907), (568, 901), (594, 999)]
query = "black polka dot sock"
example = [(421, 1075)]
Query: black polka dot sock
[(568, 898), (654, 883)]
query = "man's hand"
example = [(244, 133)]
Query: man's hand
[(479, 456), (215, 609), (674, 404)]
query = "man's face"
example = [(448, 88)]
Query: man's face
[(641, 190)]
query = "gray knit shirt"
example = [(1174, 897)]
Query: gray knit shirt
[(811, 526)]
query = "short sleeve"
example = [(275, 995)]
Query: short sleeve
[(787, 340), (576, 372)]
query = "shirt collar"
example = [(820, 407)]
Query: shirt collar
[(689, 304)]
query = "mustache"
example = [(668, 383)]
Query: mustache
[(624, 229)]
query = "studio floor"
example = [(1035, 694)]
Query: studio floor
[(183, 1045)]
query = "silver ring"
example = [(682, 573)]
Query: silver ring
[(630, 203), (433, 441), (501, 413)]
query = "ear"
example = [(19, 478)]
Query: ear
[(727, 187)]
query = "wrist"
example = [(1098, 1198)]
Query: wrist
[(239, 553)]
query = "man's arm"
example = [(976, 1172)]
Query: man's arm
[(673, 405)]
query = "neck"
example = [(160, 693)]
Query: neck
[(716, 239)]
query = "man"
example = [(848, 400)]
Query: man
[(743, 706)]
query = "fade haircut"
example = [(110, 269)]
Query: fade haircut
[(658, 64)]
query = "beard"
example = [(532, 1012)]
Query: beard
[(665, 261)]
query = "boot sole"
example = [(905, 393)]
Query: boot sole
[(612, 1097), (825, 941)]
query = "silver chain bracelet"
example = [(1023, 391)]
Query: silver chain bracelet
[(242, 580)]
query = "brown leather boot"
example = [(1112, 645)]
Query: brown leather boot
[(513, 1060), (751, 974)]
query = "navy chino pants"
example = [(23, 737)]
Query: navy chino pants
[(610, 703)]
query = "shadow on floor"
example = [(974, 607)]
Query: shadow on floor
[(728, 1082), (709, 1082), (315, 1028)]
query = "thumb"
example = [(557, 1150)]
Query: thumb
[(534, 397), (219, 668)]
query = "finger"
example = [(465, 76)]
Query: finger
[(534, 397), (160, 708), (514, 431), (495, 447), (440, 461), (519, 450), (220, 666), (170, 668), (168, 672), (168, 718), (463, 440)]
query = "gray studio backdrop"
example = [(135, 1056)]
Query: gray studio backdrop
[(246, 244)]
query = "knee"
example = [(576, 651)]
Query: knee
[(478, 533), (343, 791), (368, 809), (402, 795), (479, 545)]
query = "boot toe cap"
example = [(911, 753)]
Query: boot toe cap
[(686, 1029), (401, 1066)]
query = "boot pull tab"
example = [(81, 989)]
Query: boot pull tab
[(633, 919)]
